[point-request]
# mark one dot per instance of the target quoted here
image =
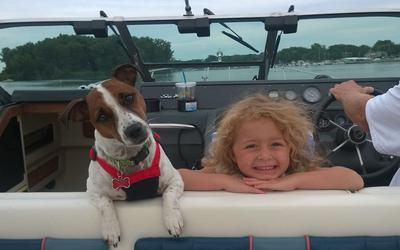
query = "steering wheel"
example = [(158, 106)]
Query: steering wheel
[(346, 144)]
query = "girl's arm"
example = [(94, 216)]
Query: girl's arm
[(323, 178), (205, 180)]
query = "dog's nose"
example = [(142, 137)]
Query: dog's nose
[(135, 131)]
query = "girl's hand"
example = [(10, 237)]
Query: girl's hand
[(236, 185), (279, 184), (323, 178)]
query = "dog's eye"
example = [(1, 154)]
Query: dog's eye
[(102, 117), (128, 99)]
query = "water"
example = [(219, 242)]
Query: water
[(347, 71), (365, 70)]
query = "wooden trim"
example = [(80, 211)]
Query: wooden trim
[(28, 108), (43, 107)]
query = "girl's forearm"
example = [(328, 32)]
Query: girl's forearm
[(329, 178), (195, 180)]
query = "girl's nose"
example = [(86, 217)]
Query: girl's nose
[(264, 154)]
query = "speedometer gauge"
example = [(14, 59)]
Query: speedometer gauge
[(312, 94)]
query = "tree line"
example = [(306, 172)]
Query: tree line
[(82, 57), (76, 57), (318, 53)]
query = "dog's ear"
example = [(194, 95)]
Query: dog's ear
[(126, 73), (76, 110)]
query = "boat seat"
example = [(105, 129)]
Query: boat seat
[(317, 213), (267, 243), (53, 244)]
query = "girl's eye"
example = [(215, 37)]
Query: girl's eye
[(250, 146), (277, 144)]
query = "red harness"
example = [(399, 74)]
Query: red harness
[(121, 180)]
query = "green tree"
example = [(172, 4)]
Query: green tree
[(79, 57), (386, 47), (292, 54), (154, 50)]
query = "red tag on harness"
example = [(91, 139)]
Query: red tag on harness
[(121, 182)]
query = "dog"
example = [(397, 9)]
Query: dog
[(127, 162)]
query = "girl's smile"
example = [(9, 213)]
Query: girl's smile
[(260, 150)]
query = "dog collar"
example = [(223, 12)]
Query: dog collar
[(140, 156), (123, 164), (121, 180)]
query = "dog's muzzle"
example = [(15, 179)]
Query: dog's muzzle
[(136, 132)]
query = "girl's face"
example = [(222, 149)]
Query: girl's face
[(259, 149)]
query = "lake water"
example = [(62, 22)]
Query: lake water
[(345, 71), (348, 71), (391, 69)]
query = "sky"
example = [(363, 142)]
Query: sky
[(134, 8)]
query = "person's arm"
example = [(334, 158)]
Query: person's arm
[(198, 180), (354, 99), (323, 178), (383, 116)]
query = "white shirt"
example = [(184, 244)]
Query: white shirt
[(383, 116)]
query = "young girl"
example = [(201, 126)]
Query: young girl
[(263, 144)]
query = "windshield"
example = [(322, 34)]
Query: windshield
[(189, 48), (342, 47)]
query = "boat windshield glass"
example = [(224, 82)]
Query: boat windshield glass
[(341, 47), (353, 47), (218, 48)]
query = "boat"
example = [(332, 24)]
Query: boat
[(47, 62)]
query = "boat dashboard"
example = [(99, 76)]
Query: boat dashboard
[(186, 145)]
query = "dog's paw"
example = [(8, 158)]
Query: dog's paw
[(174, 222), (112, 232)]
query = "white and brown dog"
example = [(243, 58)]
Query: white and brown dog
[(127, 162)]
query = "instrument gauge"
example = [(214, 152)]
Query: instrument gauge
[(340, 119), (273, 94), (312, 95), (290, 95)]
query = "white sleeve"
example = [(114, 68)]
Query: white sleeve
[(383, 116)]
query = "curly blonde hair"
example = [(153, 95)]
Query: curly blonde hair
[(292, 118)]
